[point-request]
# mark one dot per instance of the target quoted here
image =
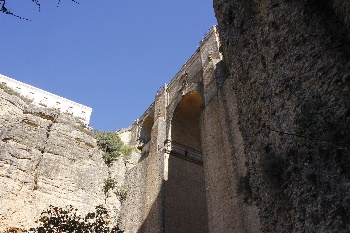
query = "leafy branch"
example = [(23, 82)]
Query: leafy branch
[(66, 220), (111, 145)]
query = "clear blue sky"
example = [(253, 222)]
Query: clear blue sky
[(111, 55)]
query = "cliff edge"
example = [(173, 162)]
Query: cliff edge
[(46, 158)]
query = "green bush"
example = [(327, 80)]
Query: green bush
[(66, 220), (109, 184), (126, 150), (14, 230), (110, 143), (122, 193)]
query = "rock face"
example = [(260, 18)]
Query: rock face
[(257, 141), (45, 158), (289, 63)]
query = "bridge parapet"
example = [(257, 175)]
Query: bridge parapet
[(184, 152)]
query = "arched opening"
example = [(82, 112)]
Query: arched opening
[(185, 201), (185, 129), (145, 135)]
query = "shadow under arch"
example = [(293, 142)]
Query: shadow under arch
[(185, 208), (146, 129), (185, 124), (145, 137)]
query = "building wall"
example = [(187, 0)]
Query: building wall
[(46, 99)]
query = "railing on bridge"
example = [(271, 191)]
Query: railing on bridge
[(183, 152)]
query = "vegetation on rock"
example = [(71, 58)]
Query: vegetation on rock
[(10, 91), (67, 220), (109, 184), (111, 145), (120, 191)]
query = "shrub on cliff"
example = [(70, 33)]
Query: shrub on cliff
[(111, 145), (120, 191), (66, 220)]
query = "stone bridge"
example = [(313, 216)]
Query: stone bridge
[(173, 188)]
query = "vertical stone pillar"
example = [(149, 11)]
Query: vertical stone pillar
[(155, 171), (222, 147)]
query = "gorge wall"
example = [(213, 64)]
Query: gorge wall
[(251, 135), (289, 67), (48, 158)]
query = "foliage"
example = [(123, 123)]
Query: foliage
[(122, 193), (109, 183), (55, 220), (10, 91), (14, 230), (110, 144), (312, 124), (126, 150)]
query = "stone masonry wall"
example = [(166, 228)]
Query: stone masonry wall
[(224, 164), (162, 193)]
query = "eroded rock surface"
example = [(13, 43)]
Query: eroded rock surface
[(290, 65), (45, 158)]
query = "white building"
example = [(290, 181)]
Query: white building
[(46, 99)]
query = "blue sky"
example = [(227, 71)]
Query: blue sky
[(111, 55)]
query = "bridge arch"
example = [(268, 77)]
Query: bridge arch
[(146, 135), (146, 129), (185, 207), (185, 125)]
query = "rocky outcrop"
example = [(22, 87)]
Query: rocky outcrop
[(46, 157), (289, 62)]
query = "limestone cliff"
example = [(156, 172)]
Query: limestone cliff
[(289, 62), (46, 157)]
